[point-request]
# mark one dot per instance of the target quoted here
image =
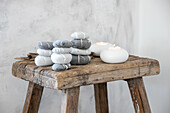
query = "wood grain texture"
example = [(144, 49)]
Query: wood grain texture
[(101, 99), (93, 73), (70, 100), (138, 94), (33, 98)]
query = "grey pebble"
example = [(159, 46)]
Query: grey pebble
[(81, 43), (46, 45), (60, 67), (80, 60), (63, 44)]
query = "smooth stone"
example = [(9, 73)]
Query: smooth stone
[(80, 60), (76, 51), (43, 52), (61, 58), (79, 35), (61, 50), (43, 61), (81, 44), (63, 43), (60, 67), (46, 45), (114, 55), (98, 47)]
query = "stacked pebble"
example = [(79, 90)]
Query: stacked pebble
[(61, 56), (44, 51), (80, 49)]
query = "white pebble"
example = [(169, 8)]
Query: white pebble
[(76, 51), (44, 52), (79, 35), (61, 58), (43, 61), (61, 50)]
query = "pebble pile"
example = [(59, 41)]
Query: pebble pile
[(80, 49), (61, 56), (44, 51)]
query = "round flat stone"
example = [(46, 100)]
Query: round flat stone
[(81, 44), (62, 44), (80, 60), (43, 52), (61, 58), (43, 61), (76, 51), (46, 45), (60, 67), (79, 35), (61, 50)]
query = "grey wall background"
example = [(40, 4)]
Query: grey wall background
[(154, 41), (137, 27)]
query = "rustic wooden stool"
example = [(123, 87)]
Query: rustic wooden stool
[(97, 73)]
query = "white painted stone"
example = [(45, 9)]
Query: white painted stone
[(61, 58), (79, 35), (43, 52), (61, 50), (114, 55), (98, 47), (43, 61), (76, 51)]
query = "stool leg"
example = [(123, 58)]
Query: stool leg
[(33, 98), (138, 95), (101, 99), (70, 100)]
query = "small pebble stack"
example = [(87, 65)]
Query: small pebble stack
[(44, 51), (80, 49), (61, 56)]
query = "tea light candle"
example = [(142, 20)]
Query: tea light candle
[(98, 47), (114, 54)]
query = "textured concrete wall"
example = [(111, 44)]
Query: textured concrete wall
[(25, 22)]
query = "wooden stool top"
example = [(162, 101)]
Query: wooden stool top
[(79, 75)]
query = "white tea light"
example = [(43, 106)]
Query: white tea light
[(114, 54), (98, 47)]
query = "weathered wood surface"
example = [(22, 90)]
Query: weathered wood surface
[(101, 99), (33, 98), (70, 100), (93, 73), (138, 94)]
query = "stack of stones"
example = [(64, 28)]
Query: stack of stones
[(44, 51), (61, 56), (80, 49)]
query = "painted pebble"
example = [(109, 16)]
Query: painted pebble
[(81, 44), (79, 35), (43, 61), (46, 45), (76, 51), (80, 60), (61, 58), (61, 50), (62, 44), (60, 67), (43, 52)]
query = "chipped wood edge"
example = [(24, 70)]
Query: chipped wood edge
[(36, 78)]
